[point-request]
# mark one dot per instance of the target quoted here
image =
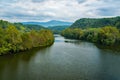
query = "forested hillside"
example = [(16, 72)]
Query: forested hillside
[(96, 22), (29, 26), (57, 29), (14, 37)]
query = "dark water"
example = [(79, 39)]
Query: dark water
[(65, 60)]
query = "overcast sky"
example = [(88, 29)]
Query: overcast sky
[(65, 10)]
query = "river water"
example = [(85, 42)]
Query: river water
[(66, 59)]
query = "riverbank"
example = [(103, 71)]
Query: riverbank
[(107, 36)]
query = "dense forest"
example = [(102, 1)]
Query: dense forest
[(106, 35), (17, 37), (96, 22)]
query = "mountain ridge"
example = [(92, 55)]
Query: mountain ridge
[(96, 22), (49, 23)]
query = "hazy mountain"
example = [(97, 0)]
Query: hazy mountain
[(50, 23)]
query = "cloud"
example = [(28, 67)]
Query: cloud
[(66, 10)]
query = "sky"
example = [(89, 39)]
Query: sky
[(63, 10)]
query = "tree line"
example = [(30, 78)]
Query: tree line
[(16, 38), (107, 35)]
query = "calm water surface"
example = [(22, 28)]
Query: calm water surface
[(65, 60)]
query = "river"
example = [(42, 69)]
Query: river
[(66, 59)]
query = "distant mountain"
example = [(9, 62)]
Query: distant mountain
[(96, 22), (50, 23)]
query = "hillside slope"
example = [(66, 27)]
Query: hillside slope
[(96, 22)]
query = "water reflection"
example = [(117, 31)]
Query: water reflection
[(115, 48)]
